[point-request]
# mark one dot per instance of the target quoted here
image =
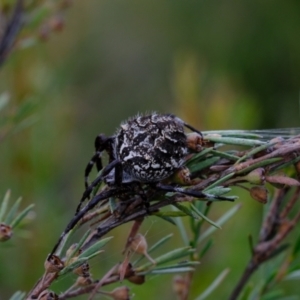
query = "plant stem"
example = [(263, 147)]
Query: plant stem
[(250, 269)]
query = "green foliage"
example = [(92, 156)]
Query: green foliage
[(11, 218), (214, 285), (18, 296)]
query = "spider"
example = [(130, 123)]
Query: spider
[(146, 150)]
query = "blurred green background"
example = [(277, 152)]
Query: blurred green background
[(216, 64)]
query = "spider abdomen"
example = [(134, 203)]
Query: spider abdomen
[(151, 147)]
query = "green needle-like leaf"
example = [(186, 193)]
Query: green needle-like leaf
[(276, 297), (4, 205), (259, 165), (196, 167), (225, 155), (287, 164), (160, 242), (168, 271), (273, 295), (181, 228), (296, 249), (220, 222), (75, 264), (255, 150), (4, 99), (18, 296), (78, 246), (94, 254), (206, 248), (174, 254), (61, 248), (218, 190), (172, 214), (12, 212), (199, 156), (234, 141), (21, 216), (188, 263), (186, 210), (213, 285), (295, 275), (95, 248), (200, 214), (220, 181), (169, 256), (167, 219)]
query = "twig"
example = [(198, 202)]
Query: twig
[(275, 228), (11, 31)]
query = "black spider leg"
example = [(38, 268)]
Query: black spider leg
[(191, 192), (102, 196), (102, 143), (118, 169), (193, 129), (146, 203), (145, 196), (96, 158), (117, 165)]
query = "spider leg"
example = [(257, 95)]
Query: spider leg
[(106, 170), (146, 203), (102, 143), (96, 158), (191, 192), (193, 129), (118, 174), (90, 205), (190, 127)]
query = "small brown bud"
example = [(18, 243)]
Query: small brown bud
[(53, 264), (140, 246), (83, 281), (259, 193), (83, 270), (137, 279), (57, 22), (180, 286), (47, 295), (256, 176), (5, 232), (120, 293), (278, 141), (194, 141), (182, 176), (125, 269)]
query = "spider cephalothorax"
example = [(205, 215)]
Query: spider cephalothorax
[(146, 149)]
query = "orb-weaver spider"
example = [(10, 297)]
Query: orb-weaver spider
[(144, 152)]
